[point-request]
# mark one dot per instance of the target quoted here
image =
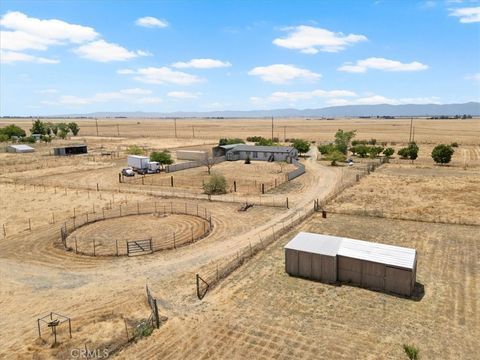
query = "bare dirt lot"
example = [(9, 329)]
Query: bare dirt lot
[(262, 313)]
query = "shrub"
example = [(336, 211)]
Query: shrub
[(135, 150), (267, 142), (28, 139), (302, 146), (144, 329), (46, 138), (3, 138), (38, 127), (326, 149), (12, 130), (73, 128), (227, 141), (162, 157), (410, 152), (442, 154), (454, 144), (411, 351), (362, 150), (388, 152), (254, 138), (335, 156), (215, 185), (374, 151), (247, 160), (62, 134)]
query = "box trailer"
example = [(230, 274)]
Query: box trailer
[(142, 164)]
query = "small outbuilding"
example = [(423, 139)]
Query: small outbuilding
[(21, 148), (332, 259), (70, 150)]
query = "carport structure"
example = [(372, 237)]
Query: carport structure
[(332, 259)]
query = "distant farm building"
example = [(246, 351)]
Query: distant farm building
[(332, 259), (194, 155), (70, 150), (253, 152), (19, 149)]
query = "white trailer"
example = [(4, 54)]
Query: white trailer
[(142, 164)]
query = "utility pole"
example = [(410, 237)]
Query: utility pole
[(272, 128), (118, 130), (413, 134), (193, 131), (284, 134), (411, 126), (96, 125), (175, 126)]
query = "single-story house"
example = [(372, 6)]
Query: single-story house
[(221, 150), (254, 152), (21, 148), (332, 259), (70, 150)]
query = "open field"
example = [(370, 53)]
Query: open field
[(436, 194), (396, 130), (258, 311), (262, 313)]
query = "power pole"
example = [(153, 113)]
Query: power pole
[(411, 126), (193, 131), (96, 125), (272, 128), (284, 134), (413, 134), (175, 126), (118, 130)]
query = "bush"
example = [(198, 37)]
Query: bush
[(28, 139), (46, 138), (410, 152), (302, 146), (215, 185), (454, 144), (12, 130), (254, 138), (326, 149), (38, 127), (267, 142), (3, 138), (135, 150), (411, 351), (442, 154), (335, 156), (361, 150), (144, 329), (163, 157), (73, 128), (388, 152), (374, 151), (247, 160), (227, 141), (62, 134)]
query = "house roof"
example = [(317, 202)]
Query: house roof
[(229, 146), (272, 149), (358, 249)]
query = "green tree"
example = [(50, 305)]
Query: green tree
[(46, 138), (442, 154), (335, 156), (12, 130), (326, 149), (409, 152), (38, 127), (374, 151), (135, 150), (388, 152), (342, 140), (302, 146), (362, 150), (162, 157), (215, 185), (62, 134), (74, 128), (230, 141)]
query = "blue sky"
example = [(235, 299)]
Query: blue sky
[(60, 57)]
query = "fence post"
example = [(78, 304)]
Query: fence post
[(174, 246), (29, 224), (171, 180), (4, 231), (76, 248), (287, 203), (234, 186), (116, 246), (263, 188), (138, 208), (94, 247)]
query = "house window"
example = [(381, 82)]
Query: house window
[(255, 154)]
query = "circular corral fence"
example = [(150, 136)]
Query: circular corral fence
[(135, 229)]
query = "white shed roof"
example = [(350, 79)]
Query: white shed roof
[(358, 249), (21, 147)]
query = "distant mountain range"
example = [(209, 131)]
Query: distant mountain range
[(470, 108)]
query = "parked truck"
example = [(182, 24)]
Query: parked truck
[(143, 165)]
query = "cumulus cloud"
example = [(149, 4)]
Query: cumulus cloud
[(201, 64), (163, 75), (467, 15), (295, 96), (103, 51), (282, 73), (361, 66), (151, 22), (183, 95), (7, 57), (311, 40)]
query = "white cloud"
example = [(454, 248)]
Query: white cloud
[(282, 73), (151, 22), (135, 95), (311, 40), (136, 91), (379, 99), (295, 96), (183, 95), (383, 64), (163, 75), (149, 100), (475, 77), (37, 34), (467, 15), (103, 51), (7, 57), (202, 64)]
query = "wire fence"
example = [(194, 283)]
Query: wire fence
[(98, 245)]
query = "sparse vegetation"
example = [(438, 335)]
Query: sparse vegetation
[(411, 351), (231, 141), (135, 150), (215, 185), (335, 156)]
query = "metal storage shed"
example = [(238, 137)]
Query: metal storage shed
[(19, 149), (366, 264), (70, 150)]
